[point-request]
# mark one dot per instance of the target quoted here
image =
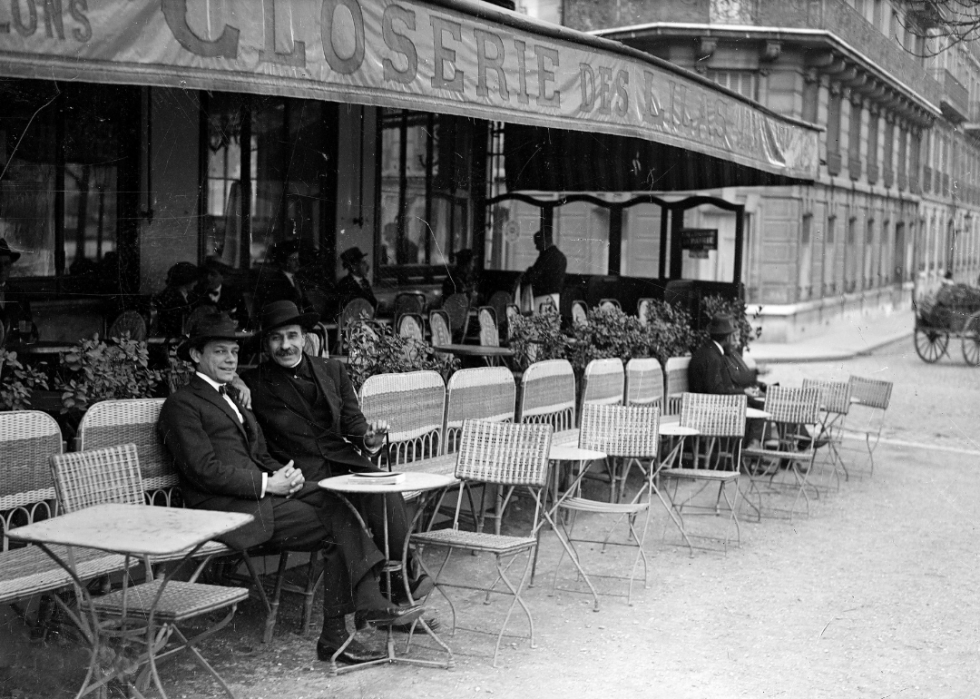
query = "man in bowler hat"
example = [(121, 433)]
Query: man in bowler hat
[(356, 284)]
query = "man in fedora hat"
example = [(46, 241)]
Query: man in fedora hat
[(355, 285), (277, 279), (175, 303), (224, 464), (15, 308), (309, 412)]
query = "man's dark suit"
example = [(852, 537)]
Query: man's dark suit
[(16, 307), (274, 285), (349, 289), (547, 274), (709, 372), (221, 461), (230, 301)]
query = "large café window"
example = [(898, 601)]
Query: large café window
[(69, 157), (425, 187), (278, 179)]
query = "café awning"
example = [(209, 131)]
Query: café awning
[(460, 57)]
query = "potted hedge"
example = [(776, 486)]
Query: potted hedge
[(535, 338), (376, 349), (18, 382)]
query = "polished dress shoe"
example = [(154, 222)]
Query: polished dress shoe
[(387, 616), (420, 586), (354, 654)]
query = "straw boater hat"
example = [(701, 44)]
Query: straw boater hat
[(5, 251), (279, 313), (721, 325), (210, 326)]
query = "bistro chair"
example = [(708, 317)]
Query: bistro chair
[(626, 435), (787, 447), (410, 325), (869, 403), (499, 301), (835, 404), (408, 302), (86, 478), (677, 383), (315, 342), (413, 404), (643, 307), (128, 322), (457, 308), (603, 382), (112, 422), (644, 382), (609, 304), (580, 312), (548, 396), (505, 455), (439, 327), (716, 451), (356, 310), (27, 495), (489, 334)]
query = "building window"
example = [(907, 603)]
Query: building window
[(425, 168), (806, 258), (830, 257), (70, 155), (744, 82)]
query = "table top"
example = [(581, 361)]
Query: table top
[(41, 347), (674, 429), (134, 529), (572, 453), (475, 350), (413, 481), (755, 413)]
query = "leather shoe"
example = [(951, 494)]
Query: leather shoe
[(387, 616), (354, 654), (420, 586), (433, 624)]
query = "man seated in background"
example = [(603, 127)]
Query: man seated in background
[(546, 276), (15, 308), (176, 301), (213, 291), (356, 284), (309, 413), (224, 464)]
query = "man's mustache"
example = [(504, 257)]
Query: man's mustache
[(287, 352)]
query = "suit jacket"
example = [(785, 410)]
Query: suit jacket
[(15, 308), (709, 372), (547, 274), (274, 285), (742, 375), (288, 422), (172, 311), (220, 460), (349, 289), (230, 301)]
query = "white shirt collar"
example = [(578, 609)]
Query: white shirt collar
[(720, 348), (289, 276), (211, 382)]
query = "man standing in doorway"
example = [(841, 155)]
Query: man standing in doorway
[(546, 276)]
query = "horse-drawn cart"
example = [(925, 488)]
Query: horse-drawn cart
[(936, 322)]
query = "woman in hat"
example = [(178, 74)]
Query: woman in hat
[(176, 301), (356, 284)]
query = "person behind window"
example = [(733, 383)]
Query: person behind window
[(176, 301), (355, 285), (15, 307), (277, 280), (213, 291), (462, 279), (546, 276)]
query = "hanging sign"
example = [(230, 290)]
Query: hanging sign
[(699, 240)]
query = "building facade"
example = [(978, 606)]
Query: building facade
[(896, 202)]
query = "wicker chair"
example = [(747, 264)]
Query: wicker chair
[(787, 447), (410, 325), (644, 382), (603, 382), (316, 343), (413, 404), (504, 455), (457, 308), (499, 301), (513, 311), (27, 494), (489, 334), (112, 475), (715, 459), (835, 404), (869, 403), (627, 436), (580, 312), (128, 322), (643, 310), (112, 422), (548, 396), (355, 310), (609, 304), (677, 385), (439, 326), (408, 302)]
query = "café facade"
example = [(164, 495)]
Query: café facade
[(135, 134)]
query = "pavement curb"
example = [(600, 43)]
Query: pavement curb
[(827, 355)]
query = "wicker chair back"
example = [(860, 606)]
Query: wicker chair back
[(485, 393), (619, 430), (413, 404), (548, 394), (714, 415), (504, 453), (97, 477), (835, 396), (644, 382), (604, 382), (27, 491)]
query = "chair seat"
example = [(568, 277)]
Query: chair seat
[(181, 600), (476, 541), (700, 474), (211, 548), (776, 454), (29, 571), (608, 508)]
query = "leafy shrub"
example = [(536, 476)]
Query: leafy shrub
[(607, 333), (669, 332), (17, 382), (94, 371), (537, 337), (716, 305), (376, 349)]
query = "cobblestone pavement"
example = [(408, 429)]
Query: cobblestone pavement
[(873, 595)]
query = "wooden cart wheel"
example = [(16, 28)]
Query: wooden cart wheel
[(971, 340), (930, 344)]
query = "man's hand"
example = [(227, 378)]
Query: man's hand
[(244, 393), (375, 436), (286, 481)]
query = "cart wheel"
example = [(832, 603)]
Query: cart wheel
[(971, 340), (930, 344)]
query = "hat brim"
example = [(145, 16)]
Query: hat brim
[(304, 320)]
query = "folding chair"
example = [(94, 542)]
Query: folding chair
[(627, 435), (869, 403), (835, 403), (505, 455), (719, 424), (112, 475), (677, 384), (787, 447), (644, 382)]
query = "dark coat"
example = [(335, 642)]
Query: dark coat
[(16, 307), (172, 311), (220, 461), (547, 274), (741, 374), (274, 285), (230, 301), (349, 289), (709, 372), (288, 422)]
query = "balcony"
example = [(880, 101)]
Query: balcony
[(955, 101)]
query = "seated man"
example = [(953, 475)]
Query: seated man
[(221, 455), (710, 371), (309, 412)]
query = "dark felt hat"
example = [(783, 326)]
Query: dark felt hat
[(210, 326), (183, 273), (279, 313), (351, 256), (721, 325), (280, 252), (6, 251)]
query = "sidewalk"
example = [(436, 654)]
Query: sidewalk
[(844, 342)]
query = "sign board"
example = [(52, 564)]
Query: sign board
[(699, 239), (698, 254)]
